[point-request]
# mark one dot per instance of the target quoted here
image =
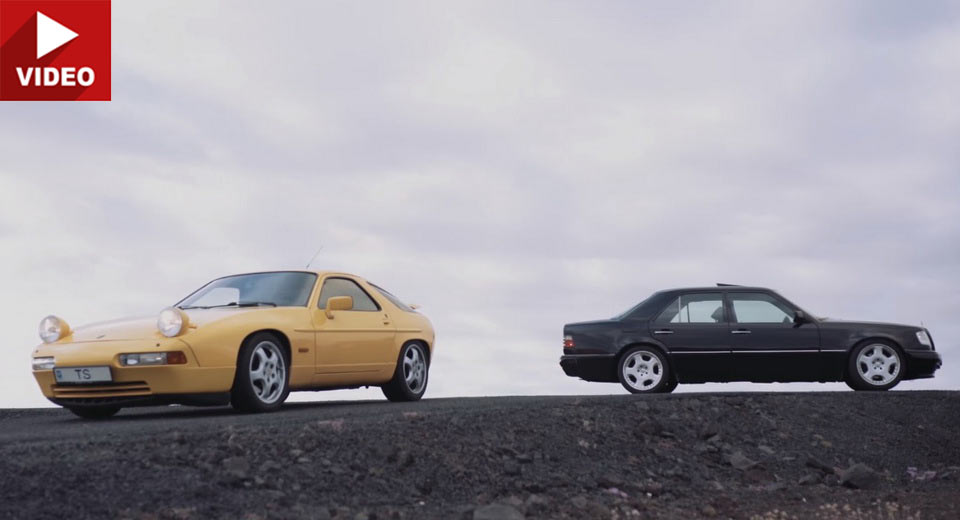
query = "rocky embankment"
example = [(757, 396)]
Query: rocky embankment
[(816, 455)]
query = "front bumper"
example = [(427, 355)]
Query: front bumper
[(210, 399), (922, 364), (130, 383), (590, 367)]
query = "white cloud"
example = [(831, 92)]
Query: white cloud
[(511, 167)]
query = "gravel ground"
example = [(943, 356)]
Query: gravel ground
[(814, 455)]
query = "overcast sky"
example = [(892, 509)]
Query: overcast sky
[(510, 166)]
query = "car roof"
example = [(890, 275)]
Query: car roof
[(719, 287), (311, 271), (339, 273)]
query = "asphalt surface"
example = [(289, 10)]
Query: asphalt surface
[(773, 455)]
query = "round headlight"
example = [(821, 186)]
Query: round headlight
[(52, 329), (170, 321)]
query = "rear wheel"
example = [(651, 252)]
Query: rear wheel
[(643, 370), (875, 365), (94, 412), (262, 382), (410, 377)]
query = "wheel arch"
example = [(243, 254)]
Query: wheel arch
[(284, 342), (424, 343)]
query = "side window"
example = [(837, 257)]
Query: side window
[(393, 299), (760, 308), (694, 308), (333, 287)]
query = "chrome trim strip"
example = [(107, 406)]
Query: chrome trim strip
[(784, 351), (791, 351)]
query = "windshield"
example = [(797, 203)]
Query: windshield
[(287, 289)]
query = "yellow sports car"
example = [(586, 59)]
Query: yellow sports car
[(247, 339)]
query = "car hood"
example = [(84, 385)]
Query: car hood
[(865, 324), (145, 327)]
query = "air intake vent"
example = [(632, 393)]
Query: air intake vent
[(109, 390)]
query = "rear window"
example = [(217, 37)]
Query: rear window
[(393, 299)]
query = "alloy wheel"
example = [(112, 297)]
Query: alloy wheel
[(878, 364), (414, 369), (268, 372), (643, 370)]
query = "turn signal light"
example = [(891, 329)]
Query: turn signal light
[(153, 358), (176, 358), (568, 342), (43, 363)]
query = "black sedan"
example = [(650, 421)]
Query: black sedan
[(734, 333)]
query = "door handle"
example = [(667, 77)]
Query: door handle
[(740, 331), (663, 331)]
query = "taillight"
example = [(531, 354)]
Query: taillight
[(568, 342)]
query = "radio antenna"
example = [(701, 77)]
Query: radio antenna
[(315, 255)]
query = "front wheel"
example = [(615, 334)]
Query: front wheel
[(410, 377), (262, 382), (644, 370), (94, 412), (875, 365), (671, 386)]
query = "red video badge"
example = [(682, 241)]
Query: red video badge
[(54, 50)]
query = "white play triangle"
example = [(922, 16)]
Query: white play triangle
[(51, 35)]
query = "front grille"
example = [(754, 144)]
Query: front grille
[(131, 389)]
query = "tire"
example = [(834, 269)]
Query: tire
[(875, 365), (262, 380), (671, 386), (411, 375), (644, 370), (94, 412)]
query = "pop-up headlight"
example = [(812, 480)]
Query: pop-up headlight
[(52, 329)]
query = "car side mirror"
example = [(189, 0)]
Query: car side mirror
[(800, 317), (338, 303)]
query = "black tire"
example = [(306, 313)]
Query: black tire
[(410, 378), (94, 412), (671, 386), (652, 363), (262, 350), (875, 376)]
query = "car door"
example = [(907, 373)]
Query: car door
[(358, 340), (767, 344), (694, 329)]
